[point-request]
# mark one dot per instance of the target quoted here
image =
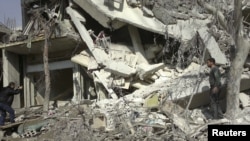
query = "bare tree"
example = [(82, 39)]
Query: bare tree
[(242, 47), (46, 68), (48, 27)]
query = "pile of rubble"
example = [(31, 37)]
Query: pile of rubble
[(121, 120), (148, 70), (114, 120)]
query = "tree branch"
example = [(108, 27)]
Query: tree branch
[(237, 18)]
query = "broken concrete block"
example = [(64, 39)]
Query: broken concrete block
[(212, 46), (245, 99), (170, 107), (120, 68), (61, 103), (102, 79), (181, 123), (92, 64), (98, 122), (192, 67), (152, 101), (39, 99), (154, 77), (144, 69), (81, 59), (139, 85), (165, 73)]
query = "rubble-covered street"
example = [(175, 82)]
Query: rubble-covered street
[(132, 70), (119, 120)]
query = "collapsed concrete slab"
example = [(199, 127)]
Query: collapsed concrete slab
[(120, 69), (145, 69), (212, 46), (81, 59), (98, 53), (114, 14)]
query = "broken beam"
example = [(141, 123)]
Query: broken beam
[(99, 54)]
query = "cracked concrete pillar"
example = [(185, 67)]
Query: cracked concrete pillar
[(77, 84)]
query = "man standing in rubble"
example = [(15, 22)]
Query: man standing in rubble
[(215, 88), (6, 99)]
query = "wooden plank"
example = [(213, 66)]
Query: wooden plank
[(10, 125)]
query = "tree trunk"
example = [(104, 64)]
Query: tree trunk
[(233, 84), (46, 71), (242, 50), (240, 55)]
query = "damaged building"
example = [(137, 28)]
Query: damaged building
[(116, 51), (106, 49)]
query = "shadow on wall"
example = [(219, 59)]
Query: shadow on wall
[(114, 4)]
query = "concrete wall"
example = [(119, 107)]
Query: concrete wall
[(11, 73)]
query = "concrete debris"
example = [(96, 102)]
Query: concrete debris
[(212, 46), (34, 125), (115, 68), (39, 99), (244, 99), (81, 59), (98, 53), (136, 64), (139, 84), (126, 118), (152, 101), (144, 69), (103, 81)]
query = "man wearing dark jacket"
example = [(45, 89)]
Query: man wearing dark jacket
[(215, 88), (6, 99)]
